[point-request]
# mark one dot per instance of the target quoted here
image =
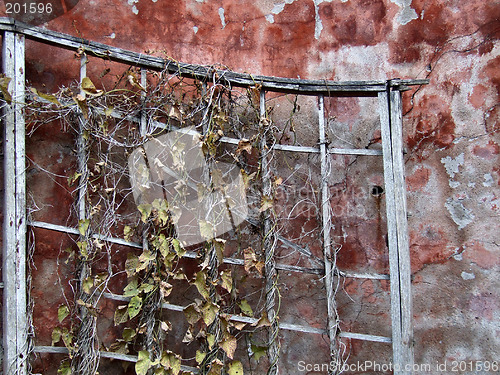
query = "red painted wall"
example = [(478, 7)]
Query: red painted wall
[(451, 138)]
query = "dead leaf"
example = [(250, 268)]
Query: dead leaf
[(244, 145), (89, 88), (266, 203), (132, 79), (4, 87), (48, 97), (229, 345), (262, 322)]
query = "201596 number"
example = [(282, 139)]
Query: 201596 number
[(28, 8)]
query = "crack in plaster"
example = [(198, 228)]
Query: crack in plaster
[(407, 13), (460, 215)]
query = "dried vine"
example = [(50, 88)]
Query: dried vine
[(120, 120)]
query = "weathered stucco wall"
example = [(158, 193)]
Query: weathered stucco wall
[(451, 137)]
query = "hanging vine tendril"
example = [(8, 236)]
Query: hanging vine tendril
[(126, 134)]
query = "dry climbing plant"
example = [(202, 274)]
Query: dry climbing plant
[(109, 123)]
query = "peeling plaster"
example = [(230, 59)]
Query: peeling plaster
[(222, 17), (468, 275), (488, 180), (318, 28), (270, 18), (407, 13), (277, 9), (134, 8), (452, 165), (353, 63), (460, 215)]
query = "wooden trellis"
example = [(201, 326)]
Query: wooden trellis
[(15, 326)]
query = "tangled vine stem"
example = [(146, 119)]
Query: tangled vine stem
[(119, 121), (270, 240), (86, 358)]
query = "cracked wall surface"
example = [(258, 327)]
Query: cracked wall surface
[(451, 138)]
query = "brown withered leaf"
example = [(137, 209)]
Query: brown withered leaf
[(244, 145)]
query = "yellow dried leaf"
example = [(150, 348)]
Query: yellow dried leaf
[(235, 368), (266, 203), (226, 280), (229, 345), (245, 308), (200, 283)]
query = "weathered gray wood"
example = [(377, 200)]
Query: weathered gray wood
[(15, 327), (399, 358), (359, 275), (144, 119), (228, 140), (328, 253), (189, 254), (193, 255), (204, 73), (249, 320), (353, 151), (81, 150), (102, 354), (22, 320), (364, 337), (396, 112)]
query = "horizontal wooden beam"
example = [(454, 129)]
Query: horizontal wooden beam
[(102, 354), (286, 326), (192, 255), (205, 73), (189, 254)]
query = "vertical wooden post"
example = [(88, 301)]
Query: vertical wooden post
[(399, 258), (15, 329), (329, 255), (86, 359), (143, 130), (143, 98), (269, 243), (396, 118), (82, 150)]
